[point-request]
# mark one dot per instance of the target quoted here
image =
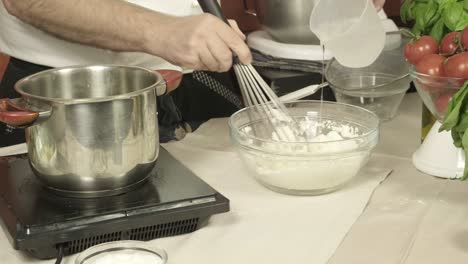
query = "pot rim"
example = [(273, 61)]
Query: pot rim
[(21, 82)]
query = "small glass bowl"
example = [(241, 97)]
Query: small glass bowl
[(129, 252), (379, 87)]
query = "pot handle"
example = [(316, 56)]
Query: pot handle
[(172, 78), (247, 10), (15, 115)]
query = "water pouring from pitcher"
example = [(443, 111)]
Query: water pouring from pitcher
[(351, 30)]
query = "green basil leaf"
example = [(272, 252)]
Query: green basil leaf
[(405, 10), (452, 14), (419, 12), (460, 95), (463, 22), (416, 32), (462, 126), (438, 30), (456, 98), (434, 19), (455, 108), (432, 14), (410, 14), (457, 140), (444, 3)]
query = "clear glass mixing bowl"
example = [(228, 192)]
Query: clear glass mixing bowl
[(306, 168)]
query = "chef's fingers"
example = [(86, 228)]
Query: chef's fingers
[(222, 53), (194, 62), (236, 28), (235, 43), (209, 60)]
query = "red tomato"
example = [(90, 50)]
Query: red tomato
[(416, 50), (441, 102), (431, 64), (449, 44), (457, 65), (464, 38)]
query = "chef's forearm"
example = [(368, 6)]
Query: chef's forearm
[(109, 24)]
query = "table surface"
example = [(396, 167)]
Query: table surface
[(411, 217)]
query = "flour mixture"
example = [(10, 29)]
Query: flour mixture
[(328, 156)]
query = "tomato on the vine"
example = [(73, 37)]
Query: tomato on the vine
[(416, 50), (464, 38), (457, 66), (431, 64), (449, 43)]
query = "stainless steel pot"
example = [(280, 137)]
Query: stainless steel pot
[(91, 130), (286, 20)]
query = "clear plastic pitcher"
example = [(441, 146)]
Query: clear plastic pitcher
[(350, 29)]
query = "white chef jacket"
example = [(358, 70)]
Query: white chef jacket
[(23, 41)]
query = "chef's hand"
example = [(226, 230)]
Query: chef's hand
[(203, 42), (379, 4)]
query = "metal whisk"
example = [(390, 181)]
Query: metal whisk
[(256, 92)]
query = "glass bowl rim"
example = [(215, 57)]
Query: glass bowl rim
[(414, 73), (120, 245), (379, 86), (372, 130)]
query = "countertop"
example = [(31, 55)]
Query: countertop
[(410, 218)]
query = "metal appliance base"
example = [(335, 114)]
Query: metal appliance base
[(173, 201)]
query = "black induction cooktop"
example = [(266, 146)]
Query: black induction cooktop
[(173, 201)]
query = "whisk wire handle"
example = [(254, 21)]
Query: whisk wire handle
[(212, 7)]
